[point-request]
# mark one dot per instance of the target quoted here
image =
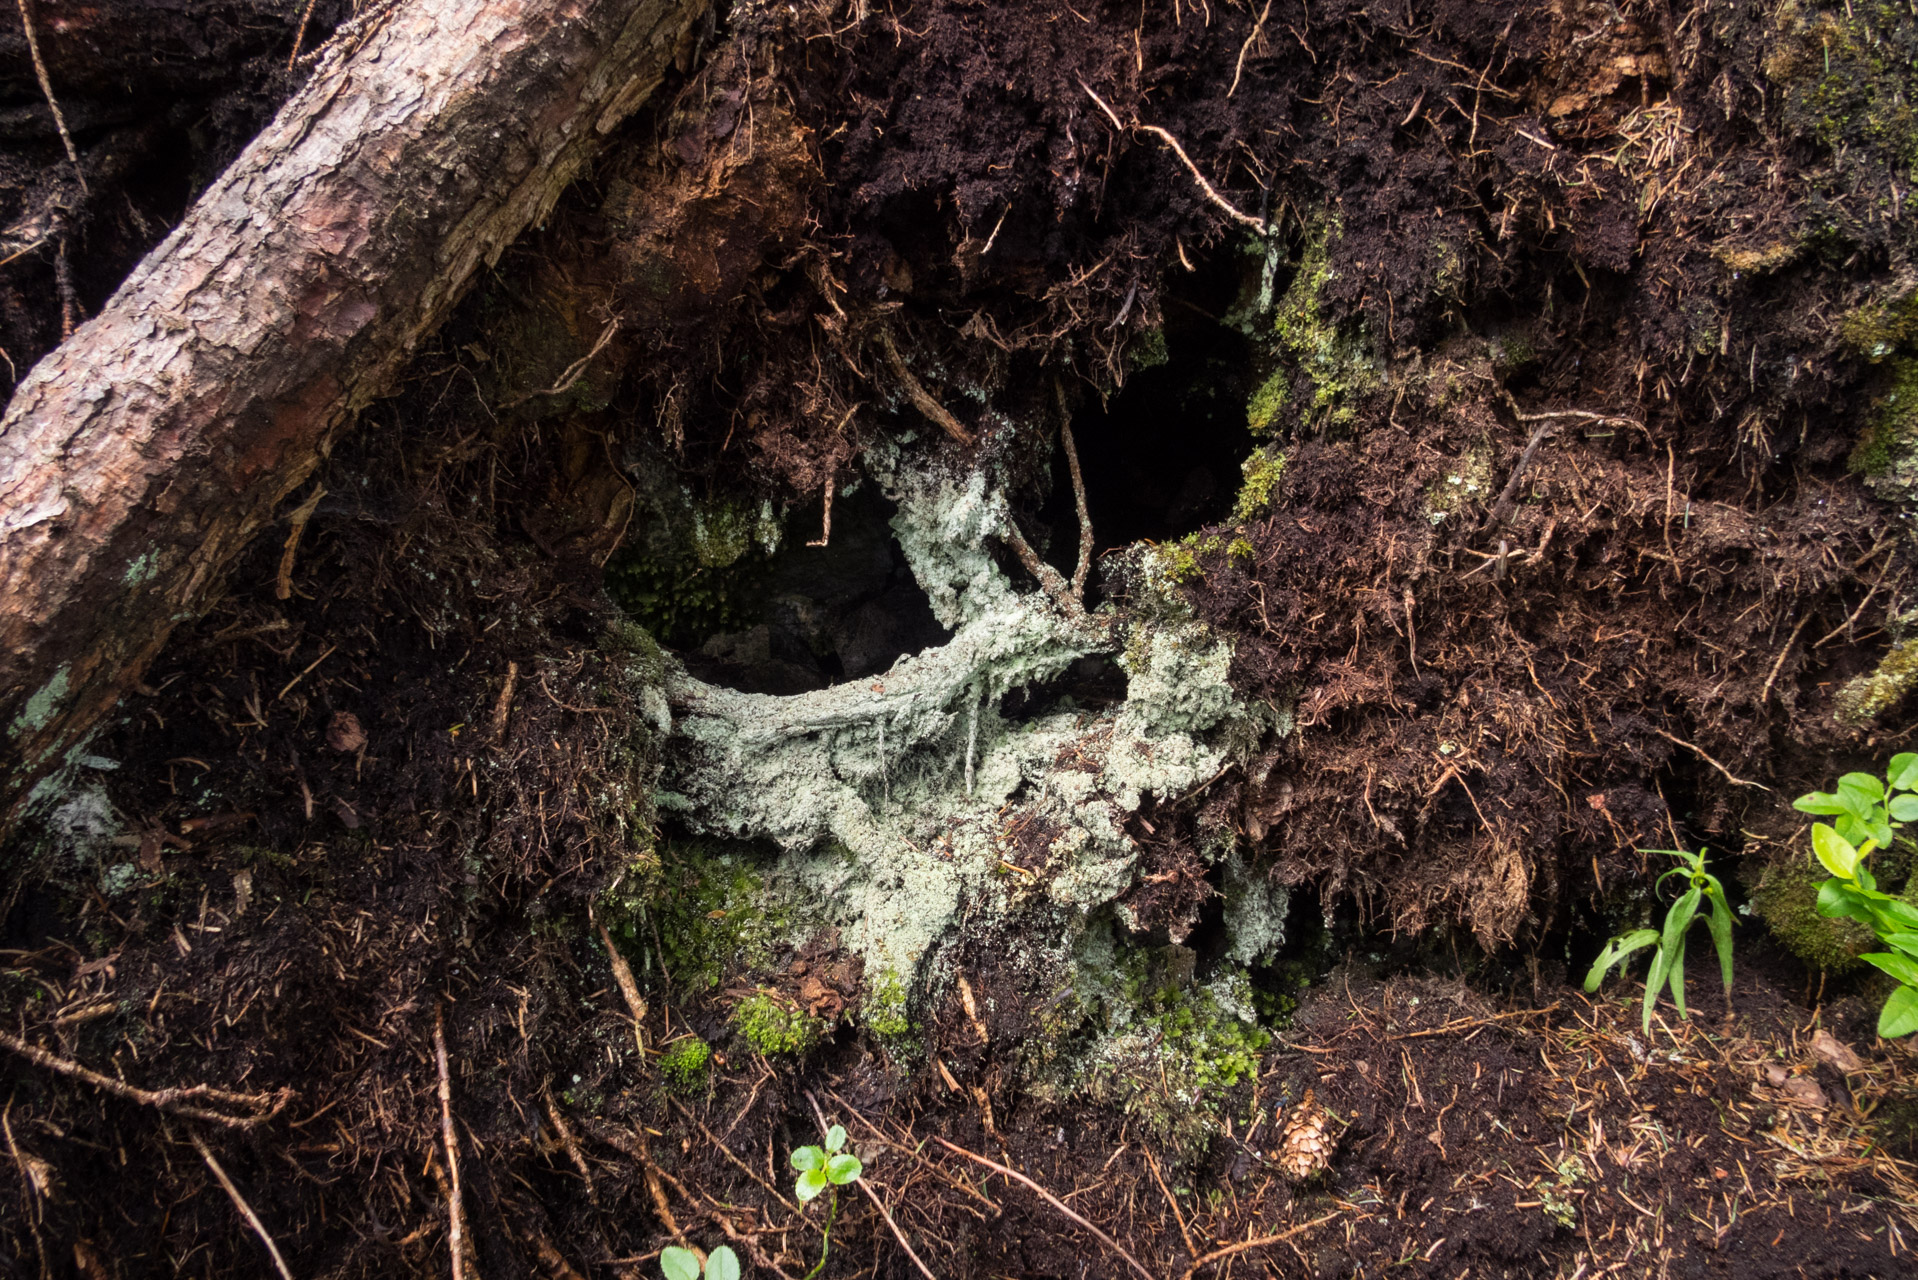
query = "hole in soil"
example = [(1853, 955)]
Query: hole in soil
[(807, 617), (1162, 457)]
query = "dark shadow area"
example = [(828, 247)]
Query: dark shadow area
[(813, 616), (1162, 457)]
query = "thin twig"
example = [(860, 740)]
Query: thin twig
[(504, 706), (1699, 752), (1508, 496), (455, 1208), (628, 989), (1779, 665), (1853, 617), (1211, 193), (1191, 1249), (1049, 578), (265, 1105), (46, 87), (1050, 1199), (825, 532), (1220, 1254), (239, 1202), (1462, 1023), (567, 1140), (30, 1190), (299, 36), (296, 519), (574, 371), (1084, 567), (1246, 48), (920, 397), (727, 1151)]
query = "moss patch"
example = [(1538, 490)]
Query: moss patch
[(1262, 472), (1333, 360), (685, 1064), (772, 1025), (714, 915), (1786, 899), (1869, 696)]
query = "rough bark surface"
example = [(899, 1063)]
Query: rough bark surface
[(139, 457)]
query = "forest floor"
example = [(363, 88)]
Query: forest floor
[(1565, 344)]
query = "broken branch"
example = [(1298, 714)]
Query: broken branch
[(265, 1105), (1084, 567), (919, 395), (455, 1208)]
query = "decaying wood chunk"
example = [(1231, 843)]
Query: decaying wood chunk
[(138, 458)]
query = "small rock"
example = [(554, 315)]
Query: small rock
[(1775, 1076), (343, 733), (1833, 1052)]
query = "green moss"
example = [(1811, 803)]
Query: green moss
[(1849, 79), (1262, 410), (684, 598), (1147, 351), (1869, 696), (1883, 327), (1262, 471), (885, 1010), (1786, 899), (772, 1025), (714, 916), (1335, 358), (685, 1064)]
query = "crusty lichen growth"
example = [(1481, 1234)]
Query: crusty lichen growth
[(888, 796), (1869, 696)]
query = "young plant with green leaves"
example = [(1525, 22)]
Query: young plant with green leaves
[(1867, 812), (1668, 961), (820, 1168), (683, 1264)]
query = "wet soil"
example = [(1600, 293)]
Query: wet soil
[(385, 784)]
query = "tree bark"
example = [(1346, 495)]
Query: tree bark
[(138, 458)]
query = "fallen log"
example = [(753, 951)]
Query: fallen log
[(138, 458)]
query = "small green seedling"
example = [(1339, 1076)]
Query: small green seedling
[(1866, 811), (1668, 962), (683, 1264), (820, 1168)]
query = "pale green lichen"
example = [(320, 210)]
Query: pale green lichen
[(1334, 358), (41, 708), (886, 795), (1467, 483)]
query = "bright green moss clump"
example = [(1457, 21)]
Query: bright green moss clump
[(884, 1011), (1335, 358), (1262, 471), (685, 1063), (772, 1026)]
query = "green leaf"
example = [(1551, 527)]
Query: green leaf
[(806, 1159), (1899, 1017), (1615, 951), (843, 1169), (1879, 831), (1902, 772), (1904, 808), (722, 1264), (1840, 901), (1905, 942), (1720, 923), (1678, 921), (810, 1183), (1834, 851), (678, 1263), (1820, 802), (1864, 786), (1903, 968), (1655, 982), (836, 1137), (1851, 829), (1891, 914), (1678, 980)]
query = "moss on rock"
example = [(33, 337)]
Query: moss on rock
[(772, 1025), (1869, 696), (685, 1064), (1786, 899)]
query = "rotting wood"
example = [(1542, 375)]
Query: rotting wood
[(138, 459)]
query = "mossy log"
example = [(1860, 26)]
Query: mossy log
[(138, 458)]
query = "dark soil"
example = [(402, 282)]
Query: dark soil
[(391, 793)]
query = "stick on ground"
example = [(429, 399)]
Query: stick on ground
[(1050, 1199), (455, 1208), (239, 1202), (264, 1105)]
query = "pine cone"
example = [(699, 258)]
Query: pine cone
[(1307, 1141)]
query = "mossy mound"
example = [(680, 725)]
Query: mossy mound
[(1786, 899)]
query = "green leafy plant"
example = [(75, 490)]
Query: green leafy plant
[(1668, 962), (1866, 812), (820, 1168), (683, 1264)]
